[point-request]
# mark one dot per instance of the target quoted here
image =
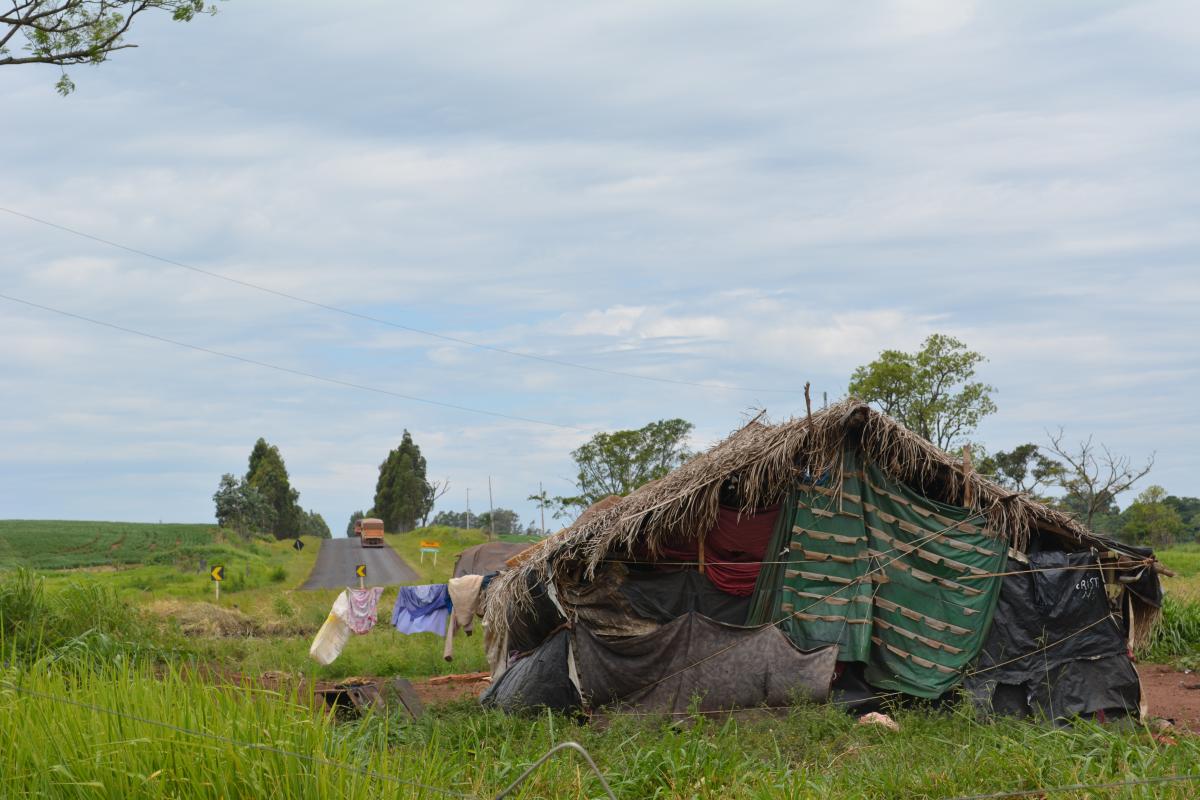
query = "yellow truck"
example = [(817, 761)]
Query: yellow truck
[(372, 533)]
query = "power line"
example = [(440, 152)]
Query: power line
[(390, 323), (289, 370)]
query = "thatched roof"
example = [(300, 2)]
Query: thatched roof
[(757, 464)]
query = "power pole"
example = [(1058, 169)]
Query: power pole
[(542, 506), (491, 511), (468, 508)]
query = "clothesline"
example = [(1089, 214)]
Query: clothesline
[(866, 557)]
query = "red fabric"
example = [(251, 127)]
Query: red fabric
[(733, 549)]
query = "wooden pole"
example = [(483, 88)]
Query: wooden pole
[(217, 588), (491, 513), (808, 399), (542, 506), (968, 489)]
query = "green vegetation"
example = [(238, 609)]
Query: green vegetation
[(403, 495), (1176, 639), (931, 391), (131, 639), (165, 609), (72, 751), (60, 544), (621, 461)]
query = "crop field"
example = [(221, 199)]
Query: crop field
[(68, 544)]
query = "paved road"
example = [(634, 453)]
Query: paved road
[(337, 558)]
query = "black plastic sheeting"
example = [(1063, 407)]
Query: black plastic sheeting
[(538, 680), (664, 596), (698, 663), (1053, 648), (529, 627)]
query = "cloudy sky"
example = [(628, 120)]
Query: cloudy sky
[(745, 195)]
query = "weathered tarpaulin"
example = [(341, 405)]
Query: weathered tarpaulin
[(1054, 647), (487, 557), (898, 581), (541, 679), (724, 666)]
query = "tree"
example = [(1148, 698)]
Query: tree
[(355, 517), (241, 507), (1023, 469), (434, 491), (544, 503), (402, 494), (930, 391), (1094, 477), (455, 519), (68, 32), (268, 475), (619, 462), (507, 521), (1150, 520), (313, 524), (1188, 509)]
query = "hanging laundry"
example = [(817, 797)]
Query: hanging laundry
[(360, 615), (334, 633), (422, 609), (464, 598)]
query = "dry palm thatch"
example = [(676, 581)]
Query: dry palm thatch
[(758, 464)]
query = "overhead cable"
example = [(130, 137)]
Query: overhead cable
[(289, 370), (390, 323)]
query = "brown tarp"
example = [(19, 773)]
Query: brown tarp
[(722, 666), (487, 557), (600, 604)]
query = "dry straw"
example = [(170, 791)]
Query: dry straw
[(758, 463)]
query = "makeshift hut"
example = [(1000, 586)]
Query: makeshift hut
[(836, 555)]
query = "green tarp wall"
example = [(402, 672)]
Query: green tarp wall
[(899, 582)]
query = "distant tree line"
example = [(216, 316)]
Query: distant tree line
[(506, 520), (263, 502)]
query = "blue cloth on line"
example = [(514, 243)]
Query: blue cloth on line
[(422, 609)]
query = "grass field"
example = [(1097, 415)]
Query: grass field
[(124, 639), (263, 623), (812, 751), (65, 544)]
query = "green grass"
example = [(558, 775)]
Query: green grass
[(1176, 639), (71, 751), (63, 544)]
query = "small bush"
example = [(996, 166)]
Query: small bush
[(283, 607), (277, 575)]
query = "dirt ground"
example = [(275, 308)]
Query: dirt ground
[(1172, 694), (1169, 693)]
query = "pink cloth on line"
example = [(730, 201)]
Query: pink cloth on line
[(361, 615)]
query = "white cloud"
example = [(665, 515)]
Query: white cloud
[(751, 196)]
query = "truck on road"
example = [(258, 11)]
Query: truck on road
[(371, 532)]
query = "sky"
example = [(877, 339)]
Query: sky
[(705, 204)]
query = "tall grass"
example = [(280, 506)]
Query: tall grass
[(84, 619), (71, 751), (1177, 635)]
